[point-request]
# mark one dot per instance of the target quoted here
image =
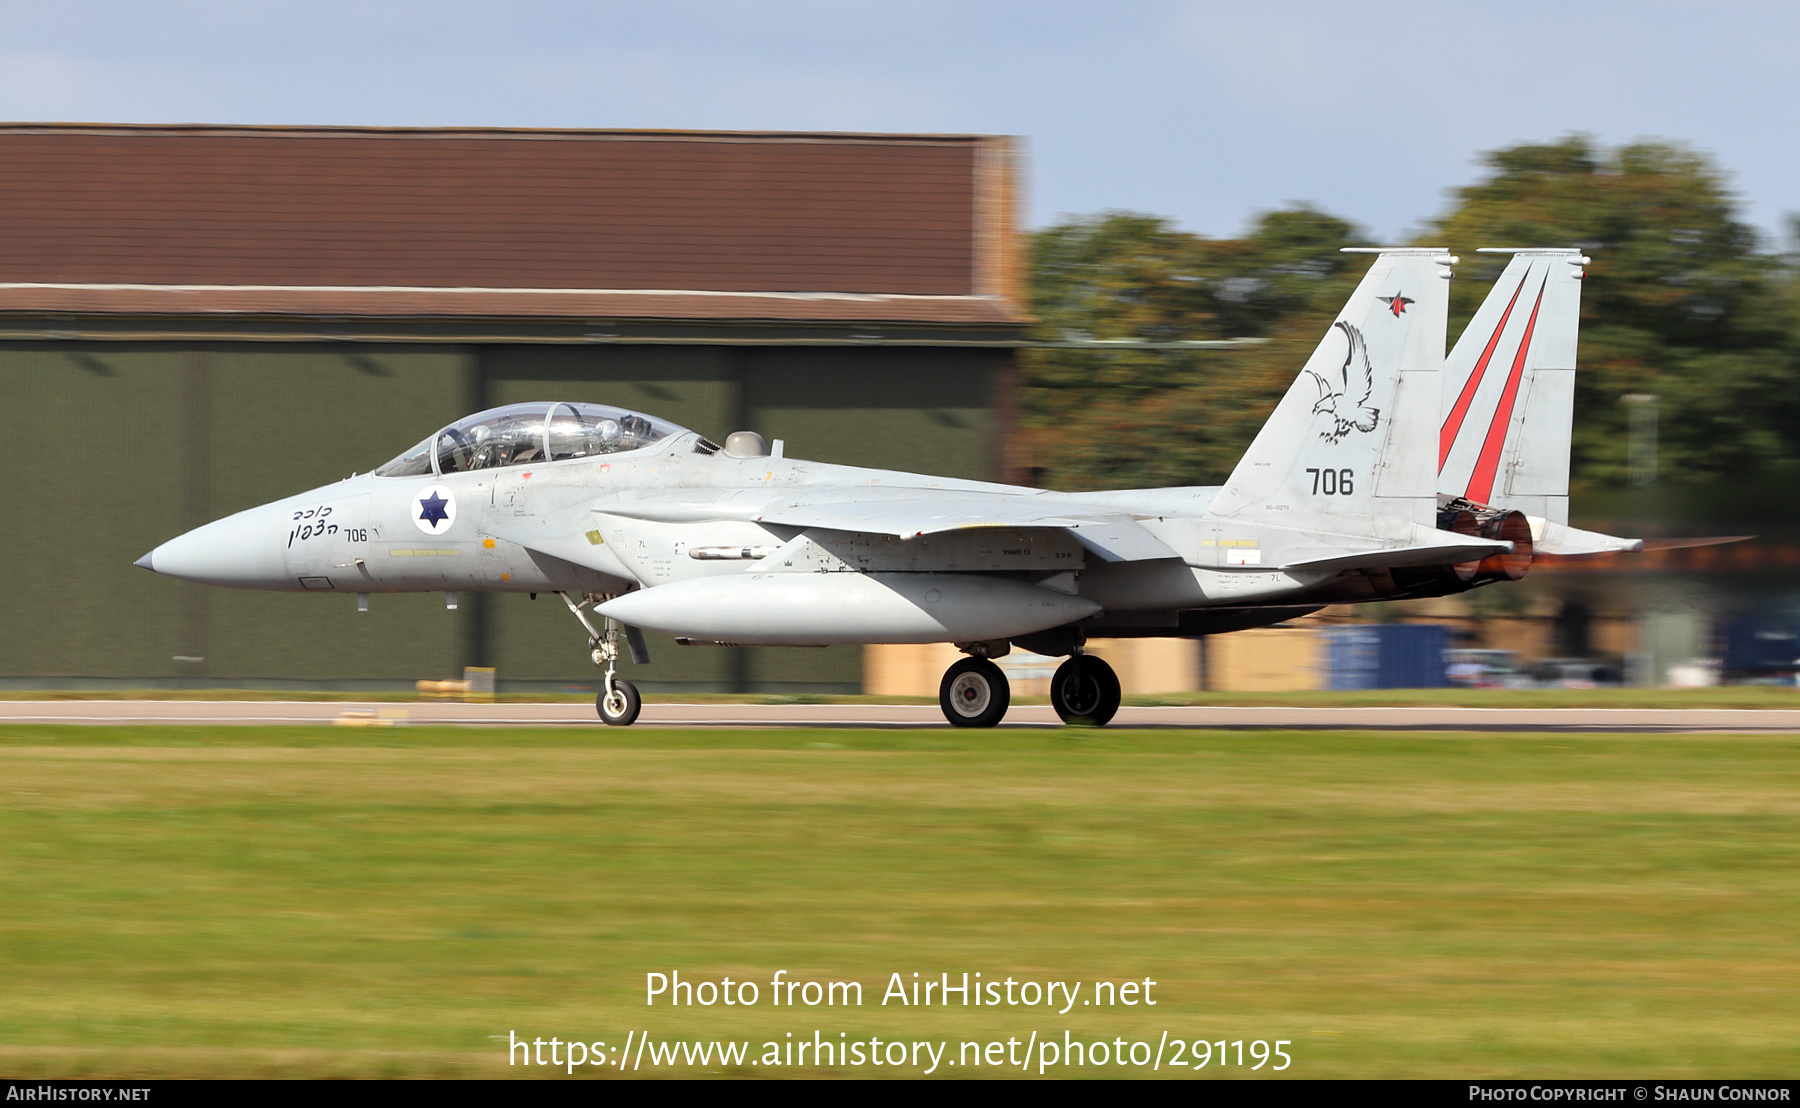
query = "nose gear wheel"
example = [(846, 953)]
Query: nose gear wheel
[(619, 705)]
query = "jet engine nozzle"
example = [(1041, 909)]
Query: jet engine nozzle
[(1468, 518), (1511, 527)]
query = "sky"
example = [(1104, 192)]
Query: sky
[(1205, 112)]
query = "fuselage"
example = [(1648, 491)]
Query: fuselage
[(498, 529), (364, 534)]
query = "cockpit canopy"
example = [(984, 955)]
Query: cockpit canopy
[(529, 434)]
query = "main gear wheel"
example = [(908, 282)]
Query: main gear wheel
[(1085, 691), (974, 693)]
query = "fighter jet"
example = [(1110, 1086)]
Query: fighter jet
[(652, 526)]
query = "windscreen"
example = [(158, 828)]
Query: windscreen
[(413, 463), (526, 434)]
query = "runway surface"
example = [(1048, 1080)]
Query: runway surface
[(184, 712)]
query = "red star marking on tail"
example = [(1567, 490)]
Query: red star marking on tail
[(1396, 303)]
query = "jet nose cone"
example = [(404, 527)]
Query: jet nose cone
[(242, 551)]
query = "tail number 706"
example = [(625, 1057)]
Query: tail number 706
[(1333, 482)]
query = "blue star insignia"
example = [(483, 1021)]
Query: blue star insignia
[(434, 511)]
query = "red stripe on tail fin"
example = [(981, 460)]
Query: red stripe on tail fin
[(1453, 423), (1487, 466)]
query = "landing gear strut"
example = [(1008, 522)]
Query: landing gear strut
[(974, 693), (1085, 691), (618, 702)]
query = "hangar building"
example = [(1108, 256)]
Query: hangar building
[(194, 320)]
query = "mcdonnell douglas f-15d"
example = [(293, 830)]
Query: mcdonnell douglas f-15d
[(1383, 473)]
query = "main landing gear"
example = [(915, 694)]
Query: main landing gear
[(618, 702), (975, 693), (1085, 691)]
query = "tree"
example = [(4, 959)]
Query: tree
[(1150, 418), (1679, 302)]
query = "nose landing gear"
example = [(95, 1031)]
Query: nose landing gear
[(618, 702)]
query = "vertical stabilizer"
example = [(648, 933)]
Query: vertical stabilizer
[(1508, 401), (1350, 448)]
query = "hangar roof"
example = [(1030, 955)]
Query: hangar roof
[(158, 221)]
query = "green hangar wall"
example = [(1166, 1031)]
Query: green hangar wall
[(155, 405)]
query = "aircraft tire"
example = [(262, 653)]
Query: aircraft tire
[(974, 693), (623, 711), (1085, 692)]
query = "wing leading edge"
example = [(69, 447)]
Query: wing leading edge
[(1111, 535)]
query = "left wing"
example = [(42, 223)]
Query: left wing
[(908, 513)]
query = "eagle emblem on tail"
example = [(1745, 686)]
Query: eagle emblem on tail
[(1357, 379)]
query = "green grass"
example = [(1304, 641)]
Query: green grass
[(302, 901)]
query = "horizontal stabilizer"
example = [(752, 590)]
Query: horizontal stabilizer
[(1685, 544), (1557, 540), (1466, 549), (1562, 541)]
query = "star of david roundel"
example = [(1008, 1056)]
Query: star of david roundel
[(434, 510)]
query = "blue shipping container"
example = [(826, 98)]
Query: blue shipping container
[(1352, 657), (1761, 646), (1386, 656)]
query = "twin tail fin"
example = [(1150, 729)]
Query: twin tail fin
[(1352, 440)]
